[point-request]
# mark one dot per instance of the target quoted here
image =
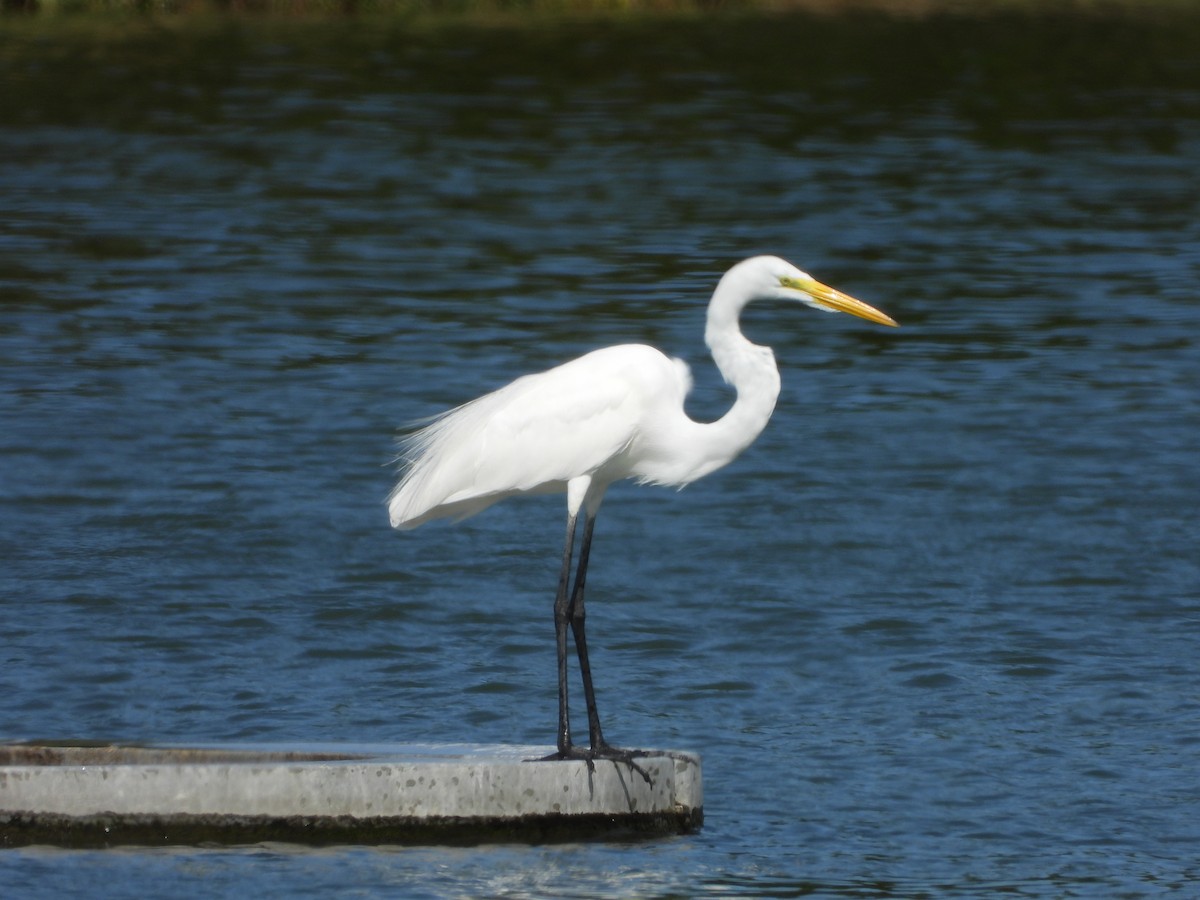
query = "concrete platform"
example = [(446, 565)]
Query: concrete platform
[(107, 795)]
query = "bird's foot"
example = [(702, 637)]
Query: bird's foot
[(605, 752)]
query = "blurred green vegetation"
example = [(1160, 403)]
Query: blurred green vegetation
[(493, 9)]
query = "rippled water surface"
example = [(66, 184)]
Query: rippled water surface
[(935, 634)]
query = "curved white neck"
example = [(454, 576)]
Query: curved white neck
[(750, 368)]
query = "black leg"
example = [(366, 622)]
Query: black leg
[(569, 611), (577, 616), (561, 621)]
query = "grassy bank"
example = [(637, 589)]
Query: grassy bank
[(487, 9)]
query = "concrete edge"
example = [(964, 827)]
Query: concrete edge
[(96, 795)]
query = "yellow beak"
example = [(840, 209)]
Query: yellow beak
[(826, 296)]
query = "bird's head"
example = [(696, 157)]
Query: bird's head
[(770, 277)]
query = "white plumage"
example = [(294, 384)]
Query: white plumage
[(591, 416), (611, 414)]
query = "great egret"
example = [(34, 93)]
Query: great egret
[(613, 413)]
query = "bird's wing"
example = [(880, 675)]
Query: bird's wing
[(536, 433)]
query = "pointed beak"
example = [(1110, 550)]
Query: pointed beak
[(835, 300)]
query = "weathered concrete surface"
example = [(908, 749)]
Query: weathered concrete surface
[(82, 795)]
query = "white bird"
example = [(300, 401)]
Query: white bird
[(611, 414)]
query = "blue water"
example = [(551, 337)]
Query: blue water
[(935, 634)]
